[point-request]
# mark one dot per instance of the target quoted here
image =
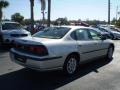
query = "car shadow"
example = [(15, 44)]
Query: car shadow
[(4, 48), (26, 79)]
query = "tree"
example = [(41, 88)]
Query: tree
[(26, 22), (32, 13), (61, 21), (3, 4), (114, 21), (95, 22), (17, 17), (118, 23)]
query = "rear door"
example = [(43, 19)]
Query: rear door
[(86, 46)]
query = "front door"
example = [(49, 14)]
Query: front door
[(101, 46)]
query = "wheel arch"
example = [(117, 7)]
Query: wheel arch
[(112, 45), (76, 54)]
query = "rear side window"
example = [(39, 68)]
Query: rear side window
[(82, 34)]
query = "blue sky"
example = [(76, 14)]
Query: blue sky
[(72, 9)]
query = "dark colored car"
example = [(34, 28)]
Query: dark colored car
[(105, 33)]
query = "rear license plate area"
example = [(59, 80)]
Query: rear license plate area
[(20, 59)]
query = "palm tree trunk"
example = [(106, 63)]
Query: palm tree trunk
[(0, 24), (32, 13), (49, 13), (0, 14)]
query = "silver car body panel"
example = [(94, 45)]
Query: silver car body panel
[(59, 49)]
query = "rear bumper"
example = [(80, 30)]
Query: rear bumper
[(37, 63)]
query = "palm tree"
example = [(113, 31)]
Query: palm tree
[(3, 4), (32, 13)]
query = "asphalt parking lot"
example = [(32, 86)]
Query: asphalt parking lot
[(98, 75)]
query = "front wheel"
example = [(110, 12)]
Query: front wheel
[(70, 65)]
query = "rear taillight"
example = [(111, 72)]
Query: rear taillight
[(34, 49), (31, 49), (39, 50)]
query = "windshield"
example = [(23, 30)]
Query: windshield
[(11, 26), (52, 32)]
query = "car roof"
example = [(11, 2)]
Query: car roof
[(73, 27), (3, 22)]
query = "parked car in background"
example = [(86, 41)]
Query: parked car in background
[(112, 31), (104, 32), (28, 28), (64, 48), (9, 31), (38, 28), (109, 34)]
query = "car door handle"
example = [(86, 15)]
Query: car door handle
[(95, 43), (80, 45)]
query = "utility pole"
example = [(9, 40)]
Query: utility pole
[(32, 13), (108, 12), (43, 7), (43, 13), (49, 13), (116, 14)]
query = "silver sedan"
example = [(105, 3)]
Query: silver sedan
[(64, 47)]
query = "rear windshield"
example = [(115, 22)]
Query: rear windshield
[(52, 32), (11, 26)]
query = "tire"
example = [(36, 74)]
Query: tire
[(110, 52), (70, 65), (1, 40)]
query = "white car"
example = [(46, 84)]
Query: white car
[(62, 47), (10, 31)]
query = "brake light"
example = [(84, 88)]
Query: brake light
[(33, 49), (18, 46), (41, 50)]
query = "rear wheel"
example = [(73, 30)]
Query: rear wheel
[(110, 52), (70, 65), (1, 40)]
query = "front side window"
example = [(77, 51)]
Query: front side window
[(95, 35), (102, 29), (52, 32), (82, 34), (11, 26)]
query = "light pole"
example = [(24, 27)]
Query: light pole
[(32, 13), (108, 12), (116, 13), (49, 13), (43, 19), (43, 7)]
